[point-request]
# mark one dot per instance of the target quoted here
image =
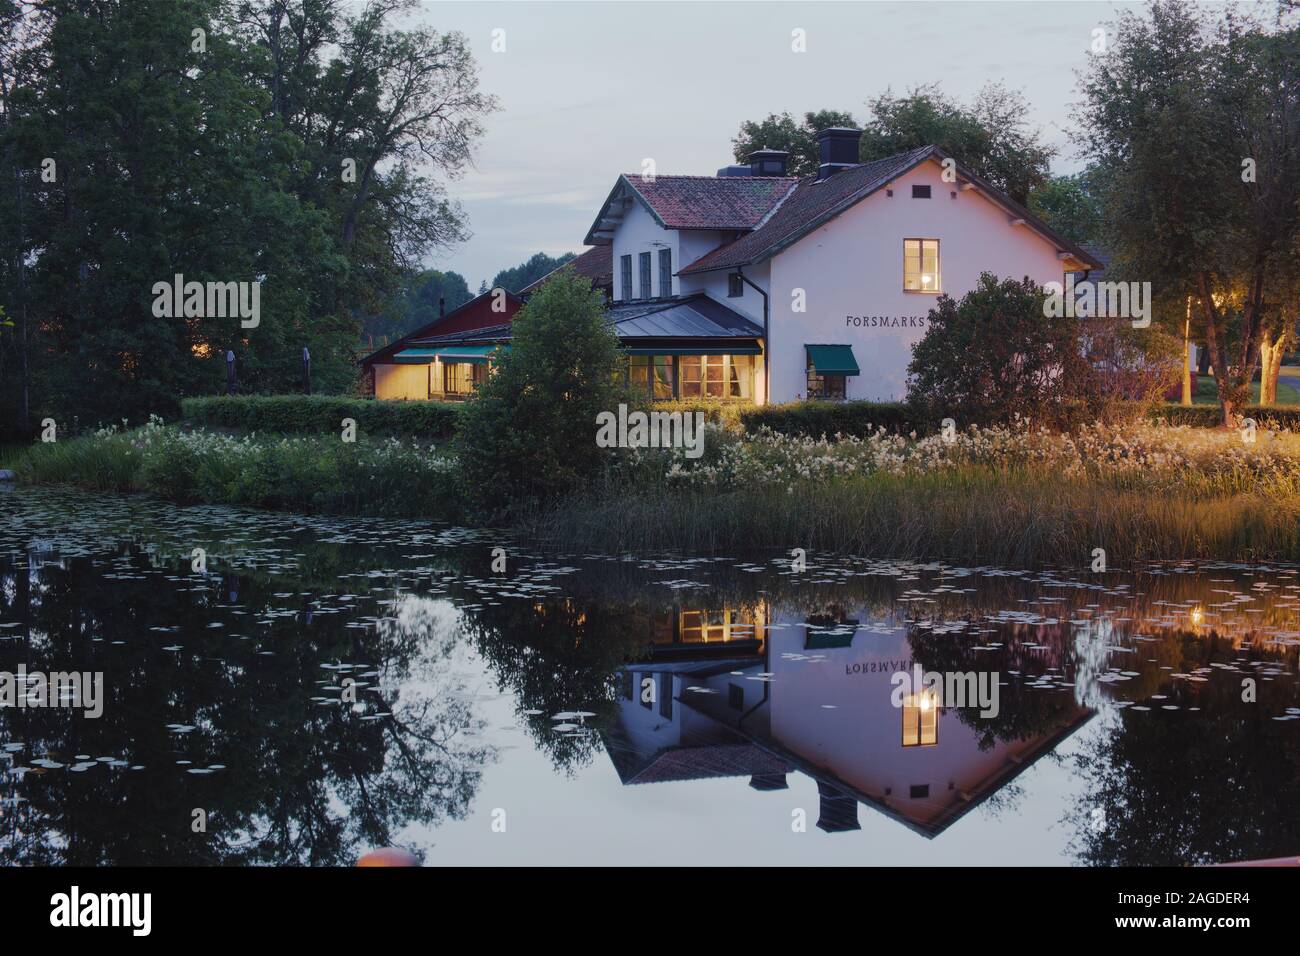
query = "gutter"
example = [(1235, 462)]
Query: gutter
[(767, 346)]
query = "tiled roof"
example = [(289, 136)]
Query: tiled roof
[(812, 202), (711, 202), (597, 264)]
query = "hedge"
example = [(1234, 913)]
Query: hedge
[(1210, 416), (321, 414), (815, 419)]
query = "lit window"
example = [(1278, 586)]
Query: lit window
[(921, 265), (921, 719)]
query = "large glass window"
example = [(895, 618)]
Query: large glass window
[(717, 376), (921, 265), (652, 375), (461, 378)]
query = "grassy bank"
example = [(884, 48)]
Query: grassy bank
[(1009, 496), (382, 477)]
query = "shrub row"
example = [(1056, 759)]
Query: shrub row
[(815, 419), (321, 414), (1209, 416)]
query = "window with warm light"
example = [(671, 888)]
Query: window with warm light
[(921, 265), (921, 719)]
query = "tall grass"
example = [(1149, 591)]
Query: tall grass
[(973, 515)]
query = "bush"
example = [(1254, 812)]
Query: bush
[(1001, 353), (322, 414), (815, 419), (529, 433), (1210, 416), (728, 414)]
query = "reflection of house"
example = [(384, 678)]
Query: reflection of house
[(819, 701)]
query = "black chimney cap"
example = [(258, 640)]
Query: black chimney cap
[(768, 162), (838, 146)]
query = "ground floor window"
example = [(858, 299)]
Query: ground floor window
[(461, 378), (666, 377), (827, 387)]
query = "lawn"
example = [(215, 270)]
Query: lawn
[(1288, 388)]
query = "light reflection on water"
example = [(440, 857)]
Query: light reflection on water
[(331, 686)]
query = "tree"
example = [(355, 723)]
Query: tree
[(1069, 205), (1001, 353), (525, 274), (991, 135), (529, 433), (798, 139), (273, 143), (417, 304), (1195, 126)]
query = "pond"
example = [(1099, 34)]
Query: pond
[(296, 690)]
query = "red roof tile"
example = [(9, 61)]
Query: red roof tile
[(711, 202)]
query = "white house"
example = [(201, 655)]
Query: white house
[(753, 285)]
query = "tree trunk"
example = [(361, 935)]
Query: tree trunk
[(1269, 348)]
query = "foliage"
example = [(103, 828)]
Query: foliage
[(322, 415), (526, 273), (1069, 204), (1194, 125), (991, 134), (999, 354), (325, 475), (529, 432), (416, 304), (783, 132), (302, 146), (816, 419)]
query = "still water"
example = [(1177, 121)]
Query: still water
[(321, 687)]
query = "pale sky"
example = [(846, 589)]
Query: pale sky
[(588, 90)]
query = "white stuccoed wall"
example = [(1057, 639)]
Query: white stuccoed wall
[(853, 266), (638, 233)]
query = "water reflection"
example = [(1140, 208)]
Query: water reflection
[(327, 687)]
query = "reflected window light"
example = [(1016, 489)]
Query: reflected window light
[(921, 719)]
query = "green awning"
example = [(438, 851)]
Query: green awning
[(833, 359), (746, 348), (460, 354)]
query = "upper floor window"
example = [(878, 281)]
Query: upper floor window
[(735, 286), (626, 285), (921, 265), (665, 273), (646, 292), (920, 192)]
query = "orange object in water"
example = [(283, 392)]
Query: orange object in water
[(388, 856)]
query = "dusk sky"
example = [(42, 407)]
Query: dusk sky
[(588, 90)]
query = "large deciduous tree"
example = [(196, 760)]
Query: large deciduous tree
[(1195, 126), (991, 134), (302, 145)]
